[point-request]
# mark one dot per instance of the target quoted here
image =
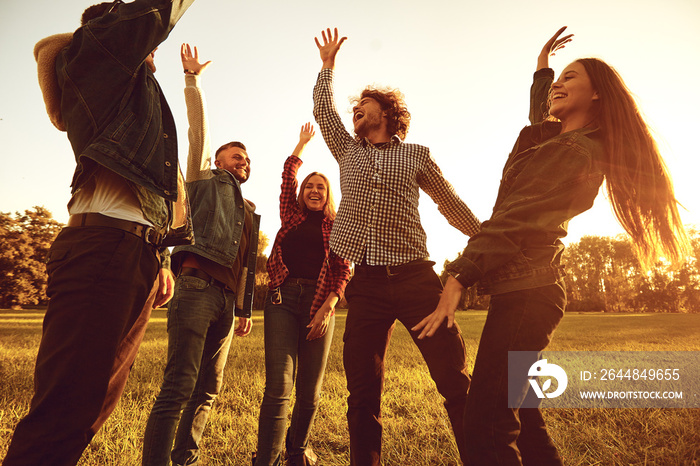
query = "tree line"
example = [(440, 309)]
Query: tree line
[(603, 274)]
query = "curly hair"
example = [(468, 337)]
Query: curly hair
[(392, 102)]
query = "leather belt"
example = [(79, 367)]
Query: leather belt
[(391, 270), (202, 275), (147, 233), (299, 281)]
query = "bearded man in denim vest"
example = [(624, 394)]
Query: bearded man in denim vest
[(214, 285)]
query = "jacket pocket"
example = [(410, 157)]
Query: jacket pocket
[(122, 127)]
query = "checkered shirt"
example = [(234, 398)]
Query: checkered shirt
[(378, 217), (335, 272)]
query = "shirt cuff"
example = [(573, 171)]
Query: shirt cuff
[(544, 73), (465, 271), (192, 80), (293, 162)]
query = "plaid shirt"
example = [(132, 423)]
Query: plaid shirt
[(378, 217), (335, 271)]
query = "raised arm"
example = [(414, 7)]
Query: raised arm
[(131, 31), (329, 122), (305, 135), (288, 193), (199, 154), (539, 92)]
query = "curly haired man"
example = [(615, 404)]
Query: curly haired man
[(378, 228)]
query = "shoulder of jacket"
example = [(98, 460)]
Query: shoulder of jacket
[(585, 141)]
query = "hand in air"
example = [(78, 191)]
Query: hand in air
[(330, 47), (307, 133), (554, 44), (190, 60)]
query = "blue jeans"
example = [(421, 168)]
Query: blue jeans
[(200, 327), (522, 320), (289, 356)]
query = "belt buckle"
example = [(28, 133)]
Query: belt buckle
[(147, 236), (388, 271), (277, 296)]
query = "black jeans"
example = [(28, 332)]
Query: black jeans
[(101, 288), (375, 302), (496, 434)]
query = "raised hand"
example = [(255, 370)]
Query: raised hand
[(307, 133), (190, 61), (330, 47), (553, 44)]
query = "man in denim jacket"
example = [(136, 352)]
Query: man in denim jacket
[(214, 286), (105, 272)]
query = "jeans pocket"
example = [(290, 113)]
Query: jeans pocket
[(55, 258), (192, 284)]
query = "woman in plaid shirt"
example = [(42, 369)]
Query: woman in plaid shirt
[(306, 282)]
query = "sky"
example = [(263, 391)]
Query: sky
[(465, 68)]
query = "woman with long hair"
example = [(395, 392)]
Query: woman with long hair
[(306, 282), (593, 132)]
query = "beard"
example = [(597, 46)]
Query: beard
[(366, 125)]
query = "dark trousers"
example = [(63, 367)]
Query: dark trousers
[(496, 434), (101, 287), (375, 301)]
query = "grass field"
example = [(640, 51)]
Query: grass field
[(416, 429)]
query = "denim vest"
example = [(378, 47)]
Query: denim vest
[(218, 215)]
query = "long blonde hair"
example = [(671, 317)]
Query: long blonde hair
[(329, 207), (637, 181)]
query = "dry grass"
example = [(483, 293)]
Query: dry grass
[(416, 427)]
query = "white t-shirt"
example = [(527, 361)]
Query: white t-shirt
[(108, 194)]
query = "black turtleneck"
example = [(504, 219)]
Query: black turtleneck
[(302, 247)]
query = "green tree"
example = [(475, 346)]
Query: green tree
[(24, 245)]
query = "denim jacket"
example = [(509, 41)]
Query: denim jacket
[(113, 108), (548, 179), (218, 204)]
